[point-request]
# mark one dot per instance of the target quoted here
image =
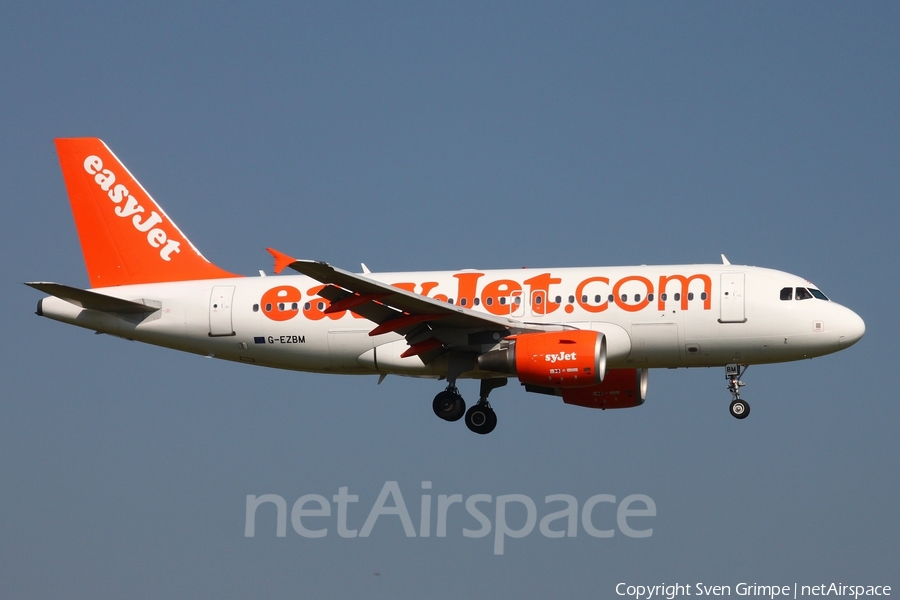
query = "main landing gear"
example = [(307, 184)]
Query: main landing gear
[(739, 408), (449, 405), (480, 418)]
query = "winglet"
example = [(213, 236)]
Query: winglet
[(282, 260)]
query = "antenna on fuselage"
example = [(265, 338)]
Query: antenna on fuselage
[(725, 260)]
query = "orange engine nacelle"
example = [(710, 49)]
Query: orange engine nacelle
[(621, 388), (558, 359)]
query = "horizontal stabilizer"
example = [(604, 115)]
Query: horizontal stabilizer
[(92, 300)]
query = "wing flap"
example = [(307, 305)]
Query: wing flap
[(393, 302), (431, 327)]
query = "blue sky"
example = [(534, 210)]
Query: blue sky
[(444, 136)]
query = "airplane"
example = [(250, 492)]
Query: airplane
[(587, 335)]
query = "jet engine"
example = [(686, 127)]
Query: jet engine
[(558, 359), (621, 388)]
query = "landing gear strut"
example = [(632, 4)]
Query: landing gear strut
[(733, 373), (481, 418), (449, 404)]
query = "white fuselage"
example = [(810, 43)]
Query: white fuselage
[(652, 316)]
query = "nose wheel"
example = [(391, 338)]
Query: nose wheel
[(739, 408)]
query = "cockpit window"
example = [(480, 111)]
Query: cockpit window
[(802, 294)]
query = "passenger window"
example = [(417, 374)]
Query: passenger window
[(294, 306), (664, 297), (787, 293), (597, 299), (558, 299), (571, 299), (624, 297), (649, 297), (502, 300), (803, 294), (538, 300), (612, 298), (637, 297), (703, 296), (256, 308), (463, 302), (690, 295), (489, 301), (476, 301), (677, 297)]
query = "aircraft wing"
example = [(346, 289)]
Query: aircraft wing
[(426, 323)]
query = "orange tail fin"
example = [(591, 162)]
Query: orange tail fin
[(125, 236)]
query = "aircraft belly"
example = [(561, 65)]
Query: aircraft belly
[(345, 347), (760, 349), (386, 358), (655, 345)]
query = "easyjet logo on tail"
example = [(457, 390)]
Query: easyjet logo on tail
[(142, 222)]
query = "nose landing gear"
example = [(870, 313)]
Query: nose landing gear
[(739, 408)]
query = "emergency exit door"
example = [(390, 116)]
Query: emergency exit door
[(731, 298), (220, 311)]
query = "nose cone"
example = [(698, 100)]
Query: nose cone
[(852, 329)]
